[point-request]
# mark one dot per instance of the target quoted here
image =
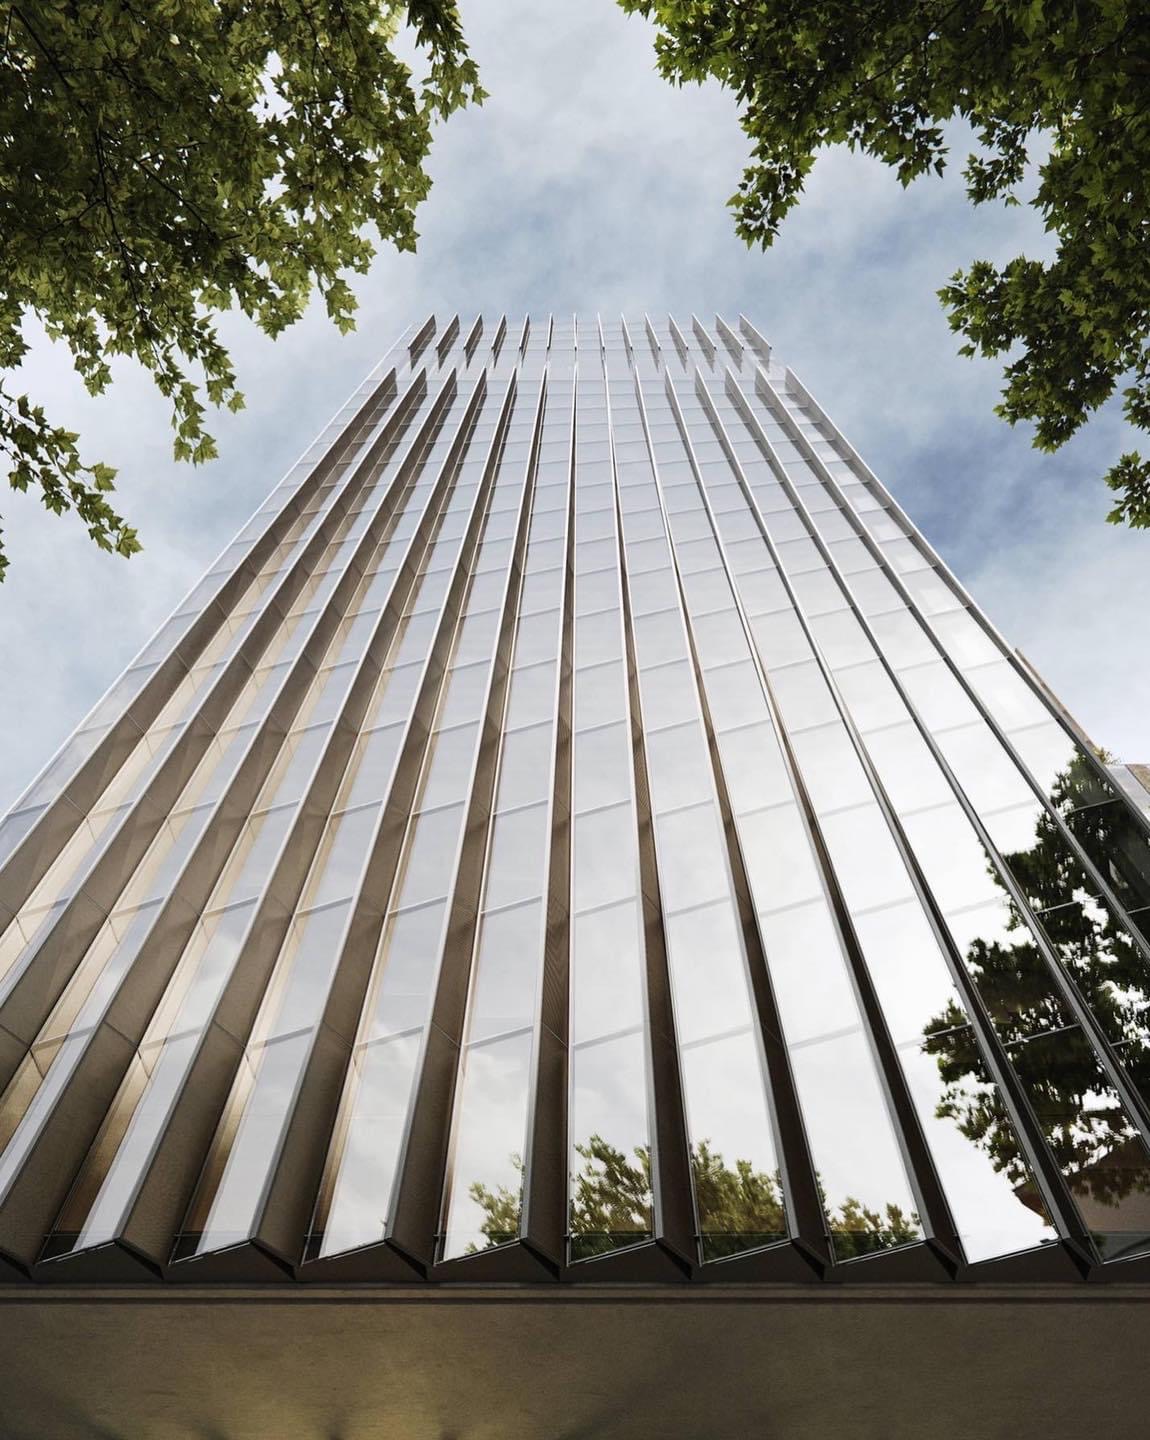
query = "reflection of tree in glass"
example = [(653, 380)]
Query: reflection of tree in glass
[(740, 1207), (1081, 1117)]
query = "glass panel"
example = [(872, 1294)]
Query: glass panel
[(273, 1071), (342, 856), (598, 638), (708, 972), (503, 996), (738, 1190), (813, 989), (830, 767), (780, 863), (532, 697), (525, 769), (611, 1200), (405, 971), (605, 868), (735, 696), (753, 765), (380, 1085), (602, 769), (599, 695), (868, 1202), (953, 861), (780, 639), (487, 1175), (1097, 1146), (606, 984), (866, 862), (659, 638), (465, 691), (678, 767), (430, 858), (668, 695), (519, 839), (307, 966), (909, 773), (448, 774), (692, 858)]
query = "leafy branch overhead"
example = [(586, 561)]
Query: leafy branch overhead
[(161, 163), (1065, 79)]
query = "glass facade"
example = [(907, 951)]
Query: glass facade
[(578, 829)]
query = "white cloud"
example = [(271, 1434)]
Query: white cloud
[(587, 182)]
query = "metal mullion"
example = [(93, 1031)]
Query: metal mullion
[(676, 1213), (706, 344), (668, 1250), (1009, 654), (287, 873), (209, 833), (652, 339), (750, 1259), (1131, 1097), (444, 343), (117, 855), (326, 1173), (183, 756), (731, 339), (680, 343), (497, 341), (543, 1193), (392, 837), (1049, 1177), (473, 338), (917, 1159), (280, 1215), (757, 343), (675, 1218), (796, 1166), (542, 1207), (992, 1052), (29, 861), (440, 1096), (421, 339)]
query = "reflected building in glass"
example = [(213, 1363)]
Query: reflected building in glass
[(579, 830)]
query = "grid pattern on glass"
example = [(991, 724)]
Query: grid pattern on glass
[(871, 651), (729, 1123), (609, 1125), (104, 850), (490, 1150), (361, 1167), (695, 676), (867, 1200), (892, 932), (92, 1001)]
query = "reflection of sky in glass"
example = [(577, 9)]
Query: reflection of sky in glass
[(723, 585)]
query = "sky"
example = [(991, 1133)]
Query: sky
[(587, 183)]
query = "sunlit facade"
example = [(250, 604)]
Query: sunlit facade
[(579, 830)]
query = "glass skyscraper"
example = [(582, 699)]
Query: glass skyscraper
[(578, 831)]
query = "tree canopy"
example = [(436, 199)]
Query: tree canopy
[(1063, 82), (161, 163)]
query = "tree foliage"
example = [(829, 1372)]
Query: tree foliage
[(1064, 80), (738, 1206), (160, 163), (1083, 1122)]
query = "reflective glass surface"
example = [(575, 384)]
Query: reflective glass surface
[(580, 717)]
